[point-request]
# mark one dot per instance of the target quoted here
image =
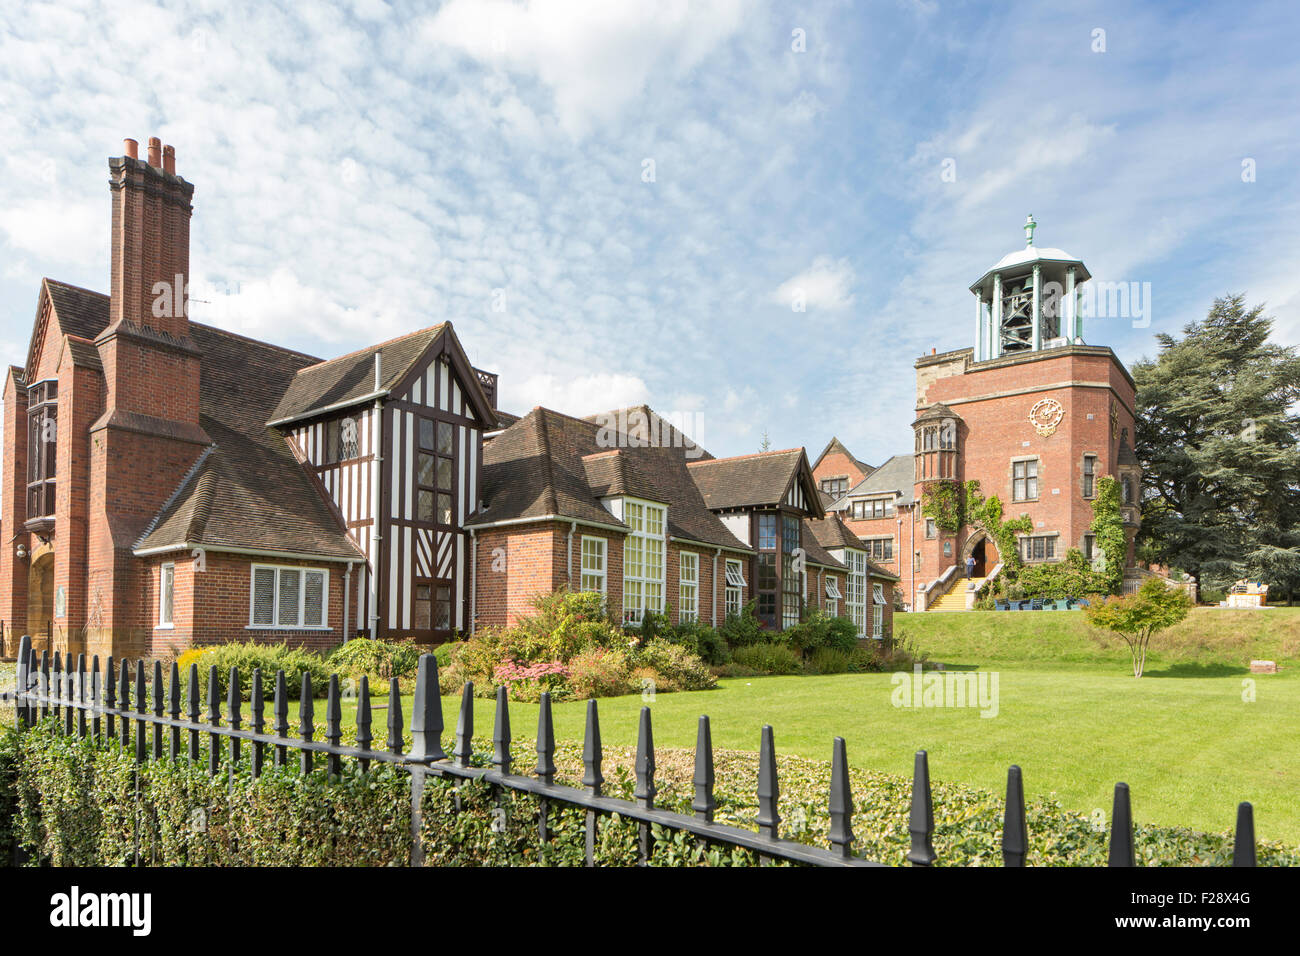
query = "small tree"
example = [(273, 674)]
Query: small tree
[(1138, 617)]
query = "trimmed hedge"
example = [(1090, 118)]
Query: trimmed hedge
[(76, 805)]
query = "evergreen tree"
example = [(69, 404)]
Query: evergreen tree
[(1218, 436)]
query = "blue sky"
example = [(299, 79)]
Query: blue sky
[(372, 168)]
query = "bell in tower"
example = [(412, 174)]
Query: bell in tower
[(1029, 301)]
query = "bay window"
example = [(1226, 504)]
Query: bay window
[(857, 589), (42, 432)]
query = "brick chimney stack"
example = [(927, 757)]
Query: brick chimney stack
[(151, 240)]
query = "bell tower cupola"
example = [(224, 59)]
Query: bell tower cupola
[(1029, 301)]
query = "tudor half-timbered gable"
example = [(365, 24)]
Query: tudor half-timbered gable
[(393, 437)]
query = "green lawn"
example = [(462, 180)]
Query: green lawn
[(1070, 714)]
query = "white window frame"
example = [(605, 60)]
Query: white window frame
[(324, 625), (598, 574), (688, 587), (643, 590), (878, 622), (856, 585), (167, 597), (734, 596), (833, 597)]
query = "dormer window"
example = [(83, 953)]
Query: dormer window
[(42, 431)]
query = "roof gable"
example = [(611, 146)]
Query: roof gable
[(550, 465), (761, 480)]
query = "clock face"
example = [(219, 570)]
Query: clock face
[(1046, 415)]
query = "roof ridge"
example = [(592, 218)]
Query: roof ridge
[(79, 288), (375, 346), (757, 454), (248, 338), (544, 436), (176, 493)]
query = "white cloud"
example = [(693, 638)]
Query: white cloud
[(579, 395), (826, 284), (593, 55)]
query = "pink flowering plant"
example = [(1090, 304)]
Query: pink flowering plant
[(528, 681)]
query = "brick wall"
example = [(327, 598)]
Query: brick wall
[(212, 598)]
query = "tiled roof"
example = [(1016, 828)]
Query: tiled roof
[(247, 490), (80, 312), (831, 532), (814, 549), (936, 412), (747, 481), (351, 377), (550, 464), (898, 474), (836, 445)]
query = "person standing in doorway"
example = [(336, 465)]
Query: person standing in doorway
[(970, 567)]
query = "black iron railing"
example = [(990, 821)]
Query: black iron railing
[(100, 707)]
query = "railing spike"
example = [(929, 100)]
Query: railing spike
[(921, 819), (840, 804), (463, 749), (1243, 843), (395, 723), (159, 696), (769, 789), (306, 710), (1121, 830), (96, 697), (214, 718), (234, 697), (1015, 831), (704, 803), (257, 704), (22, 684), (192, 710), (501, 732), (364, 735), (545, 741), (81, 696), (124, 700), (110, 697), (174, 709), (333, 725), (280, 708), (426, 716), (592, 756), (645, 762), (141, 707)]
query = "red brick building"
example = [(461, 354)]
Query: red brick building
[(167, 483), (1031, 412)]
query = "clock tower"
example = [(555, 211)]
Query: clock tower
[(1032, 412)]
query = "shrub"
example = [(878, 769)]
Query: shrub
[(528, 682), (246, 656), (377, 660), (599, 672), (444, 653), (564, 623), (743, 629), (767, 658), (830, 660), (700, 639), (677, 668), (820, 630)]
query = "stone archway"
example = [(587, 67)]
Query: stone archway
[(980, 546), (40, 600)]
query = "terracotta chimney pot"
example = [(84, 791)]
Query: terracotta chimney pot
[(131, 148), (169, 159), (155, 152)]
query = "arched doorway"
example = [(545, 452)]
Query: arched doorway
[(980, 547), (40, 600)]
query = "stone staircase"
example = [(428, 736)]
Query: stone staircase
[(955, 599)]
